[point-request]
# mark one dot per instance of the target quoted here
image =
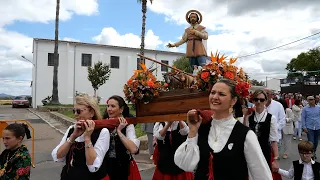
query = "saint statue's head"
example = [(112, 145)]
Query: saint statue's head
[(193, 17)]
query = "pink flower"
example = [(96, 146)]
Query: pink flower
[(23, 171)]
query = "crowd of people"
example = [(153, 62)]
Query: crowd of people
[(242, 140)]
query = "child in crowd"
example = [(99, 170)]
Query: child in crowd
[(304, 168)]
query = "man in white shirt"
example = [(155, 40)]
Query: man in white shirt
[(275, 108)]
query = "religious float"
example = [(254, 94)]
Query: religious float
[(158, 101), (170, 100)]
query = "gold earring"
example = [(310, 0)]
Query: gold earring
[(230, 109)]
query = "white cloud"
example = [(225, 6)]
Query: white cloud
[(44, 10), (241, 27), (15, 72), (110, 36), (70, 39)]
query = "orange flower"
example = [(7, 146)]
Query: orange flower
[(129, 81), (229, 75), (205, 75), (233, 60), (150, 84)]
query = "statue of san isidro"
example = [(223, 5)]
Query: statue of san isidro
[(194, 36)]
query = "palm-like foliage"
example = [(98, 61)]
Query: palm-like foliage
[(143, 31), (55, 96)]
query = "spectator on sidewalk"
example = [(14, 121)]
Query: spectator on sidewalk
[(290, 100), (311, 122), (287, 130), (296, 109), (275, 108), (148, 129)]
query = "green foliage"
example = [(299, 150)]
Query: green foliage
[(257, 83), (98, 75), (305, 61), (183, 64)]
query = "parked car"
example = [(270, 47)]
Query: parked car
[(21, 101)]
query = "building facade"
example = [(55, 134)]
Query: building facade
[(274, 84), (74, 59)]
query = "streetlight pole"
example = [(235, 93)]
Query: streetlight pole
[(32, 83), (28, 60)]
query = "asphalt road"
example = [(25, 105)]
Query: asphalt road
[(47, 138)]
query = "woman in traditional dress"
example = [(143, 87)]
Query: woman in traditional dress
[(82, 148), (264, 125), (123, 143), (223, 148), (15, 160), (170, 135)]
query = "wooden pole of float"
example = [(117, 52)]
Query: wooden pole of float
[(150, 59)]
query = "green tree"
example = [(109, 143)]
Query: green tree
[(98, 75), (183, 64), (257, 83), (143, 31), (55, 92), (308, 62)]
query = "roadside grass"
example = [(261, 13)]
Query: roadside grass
[(6, 102), (70, 114)]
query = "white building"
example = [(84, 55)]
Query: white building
[(75, 57), (274, 84)]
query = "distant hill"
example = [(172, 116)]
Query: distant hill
[(5, 96), (2, 95)]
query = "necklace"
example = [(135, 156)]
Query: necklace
[(3, 170), (257, 126), (217, 136)]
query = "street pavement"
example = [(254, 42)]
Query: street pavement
[(46, 138)]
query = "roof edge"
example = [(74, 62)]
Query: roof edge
[(111, 46)]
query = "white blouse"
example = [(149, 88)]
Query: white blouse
[(101, 147), (158, 127), (131, 135), (187, 155), (307, 173), (275, 108)]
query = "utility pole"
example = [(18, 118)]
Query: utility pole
[(266, 81)]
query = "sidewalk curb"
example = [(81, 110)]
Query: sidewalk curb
[(46, 121)]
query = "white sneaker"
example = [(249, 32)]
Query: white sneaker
[(294, 138)]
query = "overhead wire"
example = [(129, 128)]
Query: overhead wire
[(277, 47)]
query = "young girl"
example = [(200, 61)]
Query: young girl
[(15, 160)]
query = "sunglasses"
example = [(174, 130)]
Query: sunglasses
[(78, 111), (306, 153), (310, 99), (259, 99)]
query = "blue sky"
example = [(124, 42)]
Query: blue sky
[(123, 18)]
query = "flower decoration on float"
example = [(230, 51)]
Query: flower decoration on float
[(143, 86), (219, 68)]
